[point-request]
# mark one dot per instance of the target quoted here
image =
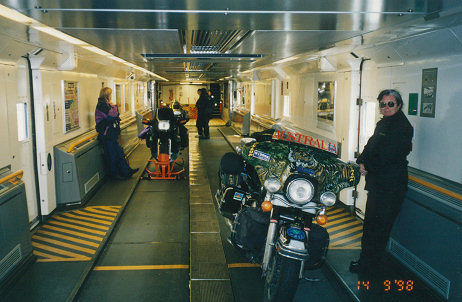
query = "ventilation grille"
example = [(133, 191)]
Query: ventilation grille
[(448, 200), (10, 261), (91, 183), (210, 41), (434, 279)]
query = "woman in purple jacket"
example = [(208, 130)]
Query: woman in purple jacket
[(108, 128)]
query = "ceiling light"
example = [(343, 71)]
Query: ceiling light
[(58, 34), (14, 15), (96, 50)]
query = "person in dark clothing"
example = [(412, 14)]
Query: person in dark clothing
[(383, 162), (204, 111), (108, 128)]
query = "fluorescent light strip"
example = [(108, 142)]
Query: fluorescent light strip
[(14, 15), (23, 19), (227, 12)]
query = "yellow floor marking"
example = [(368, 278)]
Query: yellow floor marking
[(139, 267), (88, 219), (50, 227), (333, 212), (92, 225), (76, 227), (349, 231), (64, 244), (347, 239), (51, 258), (108, 208), (339, 220), (236, 265), (58, 251), (93, 215), (342, 226), (333, 217), (68, 238), (101, 212)]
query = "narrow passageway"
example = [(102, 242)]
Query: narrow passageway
[(147, 256)]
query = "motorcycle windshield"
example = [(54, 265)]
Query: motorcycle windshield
[(280, 159)]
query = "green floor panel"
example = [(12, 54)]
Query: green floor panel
[(146, 253), (139, 286)]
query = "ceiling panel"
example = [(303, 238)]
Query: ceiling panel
[(278, 29)]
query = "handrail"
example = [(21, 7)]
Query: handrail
[(436, 188), (128, 118), (83, 140), (17, 175)]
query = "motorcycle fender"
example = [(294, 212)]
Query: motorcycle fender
[(292, 244)]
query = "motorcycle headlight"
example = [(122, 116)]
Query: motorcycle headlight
[(328, 198), (300, 191), (272, 185), (164, 125)]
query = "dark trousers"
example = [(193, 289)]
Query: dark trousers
[(114, 156), (381, 211), (202, 125), (183, 136)]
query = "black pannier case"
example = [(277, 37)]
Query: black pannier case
[(249, 232), (318, 242)]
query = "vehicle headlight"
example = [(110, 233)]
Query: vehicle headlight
[(300, 191), (328, 199), (272, 184), (164, 125)]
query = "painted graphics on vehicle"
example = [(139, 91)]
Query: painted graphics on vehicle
[(306, 140), (331, 173)]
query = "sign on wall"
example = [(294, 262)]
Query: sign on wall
[(428, 103), (71, 106)]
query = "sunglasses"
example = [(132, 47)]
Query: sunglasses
[(390, 104)]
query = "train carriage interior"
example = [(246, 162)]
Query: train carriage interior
[(308, 70)]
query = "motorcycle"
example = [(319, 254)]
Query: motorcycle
[(271, 191), (161, 135)]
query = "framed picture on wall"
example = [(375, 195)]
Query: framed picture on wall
[(326, 102), (71, 106)]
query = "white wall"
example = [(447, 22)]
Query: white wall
[(437, 141), (185, 94)]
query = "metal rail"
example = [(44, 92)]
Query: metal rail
[(15, 175), (436, 188), (88, 138), (83, 140)]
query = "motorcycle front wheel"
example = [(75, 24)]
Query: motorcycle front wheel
[(281, 279)]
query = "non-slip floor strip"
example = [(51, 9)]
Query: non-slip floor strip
[(74, 235), (345, 230), (209, 276)]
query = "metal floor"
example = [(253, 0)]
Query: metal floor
[(161, 240)]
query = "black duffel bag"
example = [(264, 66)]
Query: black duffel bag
[(318, 242), (249, 232)]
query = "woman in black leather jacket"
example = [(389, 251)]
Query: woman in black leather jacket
[(383, 162)]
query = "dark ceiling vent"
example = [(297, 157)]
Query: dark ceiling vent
[(210, 41)]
